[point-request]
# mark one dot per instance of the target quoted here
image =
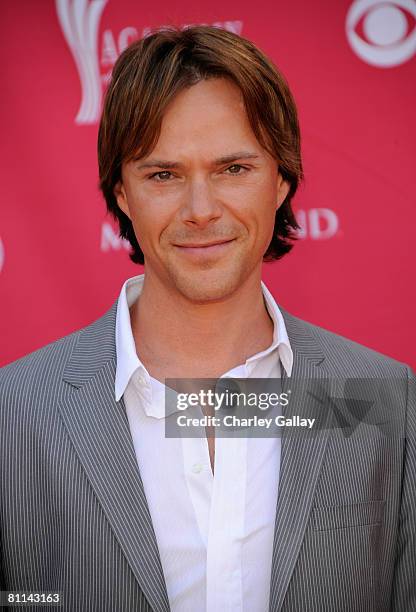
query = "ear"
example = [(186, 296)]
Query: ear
[(283, 188), (121, 197)]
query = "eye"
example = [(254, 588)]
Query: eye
[(235, 169), (161, 177)]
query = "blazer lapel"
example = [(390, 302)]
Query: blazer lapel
[(99, 430), (301, 458)]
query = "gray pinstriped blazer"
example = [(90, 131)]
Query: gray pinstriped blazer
[(74, 517)]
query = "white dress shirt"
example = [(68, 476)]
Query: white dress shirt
[(214, 532)]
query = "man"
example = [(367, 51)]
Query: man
[(199, 158)]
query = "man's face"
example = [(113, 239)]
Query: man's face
[(203, 202)]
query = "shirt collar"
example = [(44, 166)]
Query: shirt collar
[(280, 339), (128, 361)]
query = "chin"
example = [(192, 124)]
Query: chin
[(205, 286)]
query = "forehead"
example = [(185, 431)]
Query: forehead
[(208, 117)]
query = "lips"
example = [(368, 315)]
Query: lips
[(196, 245), (205, 249)]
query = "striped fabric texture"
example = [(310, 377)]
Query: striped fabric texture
[(74, 516)]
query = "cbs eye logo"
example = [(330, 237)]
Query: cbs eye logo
[(381, 33)]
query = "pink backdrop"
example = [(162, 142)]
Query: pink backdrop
[(352, 68)]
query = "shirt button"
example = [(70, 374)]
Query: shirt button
[(196, 468)]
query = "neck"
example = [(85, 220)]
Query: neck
[(178, 338)]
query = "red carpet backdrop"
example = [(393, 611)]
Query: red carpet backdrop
[(352, 67)]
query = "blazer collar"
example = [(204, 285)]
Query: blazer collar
[(96, 346), (303, 343), (94, 349)]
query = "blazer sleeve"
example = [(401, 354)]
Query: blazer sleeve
[(404, 582)]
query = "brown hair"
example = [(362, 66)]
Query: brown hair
[(151, 71)]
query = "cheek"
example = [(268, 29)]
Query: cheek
[(262, 221), (150, 216), (265, 226), (257, 206)]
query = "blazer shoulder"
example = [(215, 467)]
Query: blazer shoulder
[(347, 356)]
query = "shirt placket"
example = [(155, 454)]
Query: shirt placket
[(226, 526)]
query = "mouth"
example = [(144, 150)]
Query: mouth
[(211, 248)]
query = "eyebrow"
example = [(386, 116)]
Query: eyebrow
[(226, 159)]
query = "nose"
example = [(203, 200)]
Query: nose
[(200, 206)]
